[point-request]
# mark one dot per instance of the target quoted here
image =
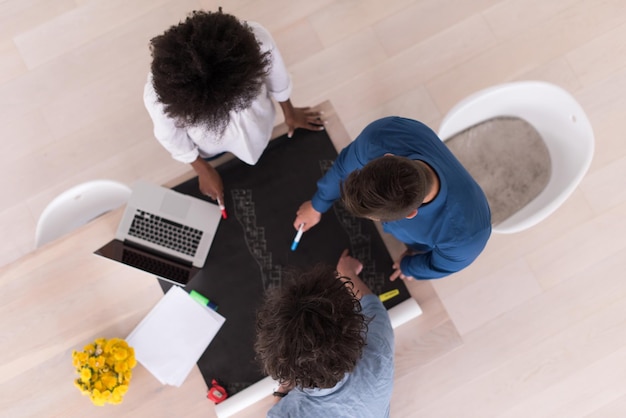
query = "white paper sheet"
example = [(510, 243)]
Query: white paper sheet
[(172, 337)]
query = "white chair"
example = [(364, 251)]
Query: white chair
[(559, 120), (77, 206)]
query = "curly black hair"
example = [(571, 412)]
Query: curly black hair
[(310, 331), (205, 67)]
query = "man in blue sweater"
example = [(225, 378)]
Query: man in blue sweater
[(329, 342), (399, 172)]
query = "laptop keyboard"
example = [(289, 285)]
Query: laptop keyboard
[(151, 265), (166, 233)]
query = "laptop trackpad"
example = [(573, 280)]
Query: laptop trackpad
[(174, 205)]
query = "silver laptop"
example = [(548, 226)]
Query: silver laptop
[(164, 232)]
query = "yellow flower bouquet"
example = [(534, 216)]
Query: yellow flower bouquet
[(104, 369)]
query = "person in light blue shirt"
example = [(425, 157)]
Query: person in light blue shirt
[(328, 340), (399, 172)]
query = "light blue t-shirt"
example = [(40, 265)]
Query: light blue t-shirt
[(364, 393)]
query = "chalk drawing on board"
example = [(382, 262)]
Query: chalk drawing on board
[(360, 243), (254, 236)]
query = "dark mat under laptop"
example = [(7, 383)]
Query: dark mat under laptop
[(251, 249)]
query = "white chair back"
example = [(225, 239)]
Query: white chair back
[(560, 121), (77, 206)]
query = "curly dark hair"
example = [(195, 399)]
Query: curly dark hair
[(388, 188), (310, 331), (205, 67)]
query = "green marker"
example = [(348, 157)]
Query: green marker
[(202, 300)]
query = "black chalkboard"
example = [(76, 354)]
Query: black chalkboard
[(251, 249)]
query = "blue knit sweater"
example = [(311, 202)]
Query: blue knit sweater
[(450, 231)]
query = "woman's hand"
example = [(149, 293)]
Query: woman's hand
[(301, 117), (210, 181)]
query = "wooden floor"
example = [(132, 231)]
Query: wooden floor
[(535, 328)]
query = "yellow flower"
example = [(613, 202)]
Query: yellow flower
[(121, 390), (109, 380), (85, 374), (120, 353), (79, 358), (114, 344), (98, 385), (104, 369), (118, 393), (120, 367), (97, 363), (99, 398)]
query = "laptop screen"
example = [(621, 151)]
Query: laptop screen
[(175, 271)]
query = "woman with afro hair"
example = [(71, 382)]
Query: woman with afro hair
[(210, 91)]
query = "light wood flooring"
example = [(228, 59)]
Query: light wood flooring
[(536, 327)]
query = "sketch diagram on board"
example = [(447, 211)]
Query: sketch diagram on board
[(360, 243), (254, 236)]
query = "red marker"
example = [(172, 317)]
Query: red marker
[(222, 208)]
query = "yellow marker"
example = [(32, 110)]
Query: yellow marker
[(388, 295)]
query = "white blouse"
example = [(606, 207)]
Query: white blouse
[(248, 131)]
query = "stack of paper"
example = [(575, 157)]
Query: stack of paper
[(172, 337)]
